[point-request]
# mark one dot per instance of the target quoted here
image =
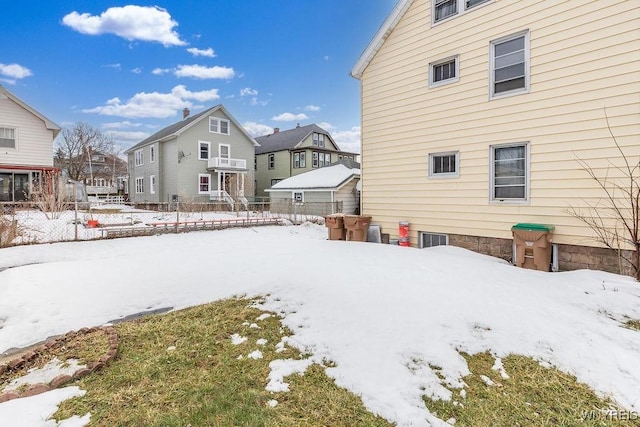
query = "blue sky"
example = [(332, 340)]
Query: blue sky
[(130, 68)]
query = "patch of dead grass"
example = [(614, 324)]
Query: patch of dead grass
[(533, 396)]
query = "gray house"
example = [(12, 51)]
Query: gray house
[(204, 157), (292, 152), (318, 189)]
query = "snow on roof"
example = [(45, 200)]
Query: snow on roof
[(330, 177)]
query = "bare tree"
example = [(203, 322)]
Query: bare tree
[(615, 218), (50, 195), (74, 148)]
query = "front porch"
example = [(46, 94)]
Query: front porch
[(230, 186)]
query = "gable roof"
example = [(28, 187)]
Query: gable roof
[(177, 128), (288, 139), (375, 44), (48, 123), (329, 177)]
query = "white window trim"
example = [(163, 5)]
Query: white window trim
[(462, 9), (433, 83), (527, 65), (15, 139), (527, 175), (208, 144), (228, 150), (139, 179), (293, 196), (218, 127), (444, 175), (152, 184), (200, 175), (139, 157), (152, 153)]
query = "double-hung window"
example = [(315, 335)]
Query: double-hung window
[(444, 71), (314, 159), (203, 150), (299, 160), (217, 125), (204, 183), (152, 184), (510, 65), (444, 165), (298, 197), (510, 172), (7, 138), (443, 9), (139, 185), (139, 157), (271, 161), (152, 153)]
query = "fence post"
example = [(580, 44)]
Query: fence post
[(177, 215), (75, 220)]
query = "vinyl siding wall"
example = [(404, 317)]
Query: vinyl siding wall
[(584, 57), (282, 170), (191, 166), (34, 142), (348, 196)]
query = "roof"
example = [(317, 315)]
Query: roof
[(387, 27), (287, 139), (48, 123), (329, 177), (179, 127)]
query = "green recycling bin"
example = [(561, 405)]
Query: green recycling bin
[(533, 245)]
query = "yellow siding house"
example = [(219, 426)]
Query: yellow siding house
[(480, 114)]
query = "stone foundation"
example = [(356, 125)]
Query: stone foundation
[(570, 257), (499, 248)]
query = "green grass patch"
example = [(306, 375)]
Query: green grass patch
[(532, 396), (202, 382)]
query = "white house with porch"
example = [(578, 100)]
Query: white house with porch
[(202, 158)]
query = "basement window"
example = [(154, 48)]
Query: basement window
[(428, 240)]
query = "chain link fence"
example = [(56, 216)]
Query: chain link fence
[(27, 223)]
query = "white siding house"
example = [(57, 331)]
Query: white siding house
[(26, 146)]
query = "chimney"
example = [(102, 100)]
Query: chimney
[(298, 126), (185, 113), (276, 130)]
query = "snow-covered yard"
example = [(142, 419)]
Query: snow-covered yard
[(384, 314)]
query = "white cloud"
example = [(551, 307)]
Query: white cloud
[(114, 66), (257, 129), (312, 108), (326, 57), (247, 91), (202, 72), (136, 70), (348, 140), (157, 105), (202, 52), (160, 71), (144, 23), (14, 71), (127, 137), (121, 125), (289, 117), (326, 126)]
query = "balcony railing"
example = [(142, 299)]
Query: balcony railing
[(227, 163)]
